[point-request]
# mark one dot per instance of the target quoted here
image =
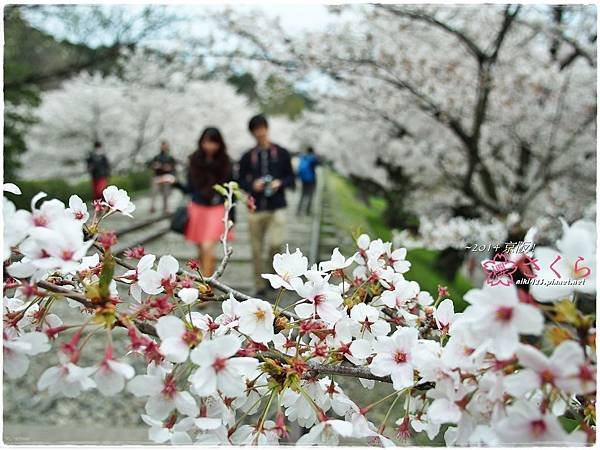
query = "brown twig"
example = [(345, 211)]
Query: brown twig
[(80, 298), (227, 251), (345, 371)]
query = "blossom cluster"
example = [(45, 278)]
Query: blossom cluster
[(506, 370)]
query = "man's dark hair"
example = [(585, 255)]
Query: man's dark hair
[(258, 121), (97, 144), (309, 149)]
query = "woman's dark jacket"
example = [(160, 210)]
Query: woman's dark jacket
[(207, 196)]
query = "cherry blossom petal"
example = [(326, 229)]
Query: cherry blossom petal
[(145, 385), (167, 266), (170, 327), (174, 349), (159, 406), (185, 403), (188, 295)]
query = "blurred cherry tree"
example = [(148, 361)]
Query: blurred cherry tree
[(151, 100), (491, 108)]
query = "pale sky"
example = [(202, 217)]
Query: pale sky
[(293, 17)]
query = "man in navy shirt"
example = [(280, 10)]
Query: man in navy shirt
[(265, 172)]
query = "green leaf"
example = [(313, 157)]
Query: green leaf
[(220, 189), (106, 276), (568, 424), (567, 312)]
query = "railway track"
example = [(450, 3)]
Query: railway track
[(152, 228)]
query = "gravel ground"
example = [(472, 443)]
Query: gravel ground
[(23, 403)]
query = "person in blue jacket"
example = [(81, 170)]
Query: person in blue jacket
[(308, 176)]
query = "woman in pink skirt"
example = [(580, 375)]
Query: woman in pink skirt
[(208, 165)]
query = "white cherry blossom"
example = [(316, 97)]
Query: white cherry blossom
[(397, 259), (63, 246), (395, 356), (444, 314), (163, 394), (526, 424), (111, 375), (145, 264), (18, 349), (576, 246), (12, 188), (249, 435), (176, 434), (48, 213), (326, 433), (67, 379), (497, 317), (231, 316), (322, 300), (16, 226), (445, 407), (153, 281), (256, 320), (188, 295), (402, 292), (337, 261), (371, 326), (78, 209), (288, 267), (218, 368), (176, 338), (118, 200), (562, 369)]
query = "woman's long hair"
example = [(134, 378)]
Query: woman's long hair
[(205, 172)]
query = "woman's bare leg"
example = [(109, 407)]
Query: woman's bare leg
[(200, 256), (207, 258)]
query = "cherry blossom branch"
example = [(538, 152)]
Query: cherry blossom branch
[(317, 368), (82, 299), (427, 18), (227, 250), (558, 32), (210, 281)]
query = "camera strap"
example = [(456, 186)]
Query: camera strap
[(254, 157)]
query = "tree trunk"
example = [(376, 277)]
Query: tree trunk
[(449, 262)]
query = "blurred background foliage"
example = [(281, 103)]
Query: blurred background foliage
[(35, 60)]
